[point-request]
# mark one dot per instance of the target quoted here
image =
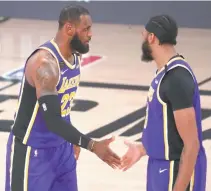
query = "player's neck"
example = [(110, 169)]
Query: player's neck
[(163, 56), (63, 46)]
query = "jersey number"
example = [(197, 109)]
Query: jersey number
[(67, 99)]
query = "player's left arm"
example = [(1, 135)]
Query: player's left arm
[(180, 95)]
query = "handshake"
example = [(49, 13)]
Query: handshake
[(103, 150)]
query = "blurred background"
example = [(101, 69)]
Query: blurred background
[(114, 82)]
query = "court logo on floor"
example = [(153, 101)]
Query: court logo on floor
[(16, 74)]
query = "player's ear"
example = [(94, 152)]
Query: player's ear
[(70, 28), (151, 38)]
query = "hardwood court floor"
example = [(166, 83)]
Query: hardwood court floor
[(112, 93)]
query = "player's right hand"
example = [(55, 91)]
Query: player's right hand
[(102, 150), (133, 155)]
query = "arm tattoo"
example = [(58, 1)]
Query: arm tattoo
[(47, 76), (43, 75)]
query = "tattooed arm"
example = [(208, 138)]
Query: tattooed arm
[(42, 72)]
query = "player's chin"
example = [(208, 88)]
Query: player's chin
[(86, 46), (85, 49)]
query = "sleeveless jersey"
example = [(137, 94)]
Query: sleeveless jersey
[(29, 125), (156, 136)]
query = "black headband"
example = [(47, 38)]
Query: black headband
[(156, 28), (163, 28)]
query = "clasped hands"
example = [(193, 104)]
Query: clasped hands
[(104, 151)]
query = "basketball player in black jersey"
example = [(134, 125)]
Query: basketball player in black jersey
[(172, 134)]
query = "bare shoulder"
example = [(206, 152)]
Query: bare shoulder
[(42, 72)]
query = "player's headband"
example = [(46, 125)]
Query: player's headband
[(163, 27)]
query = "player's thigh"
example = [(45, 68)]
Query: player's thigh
[(161, 175), (149, 176), (66, 182), (30, 170), (198, 178), (66, 176)]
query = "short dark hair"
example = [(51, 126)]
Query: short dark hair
[(71, 13), (164, 27)]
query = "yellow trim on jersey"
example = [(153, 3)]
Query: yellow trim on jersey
[(79, 60), (165, 123), (11, 159), (48, 49), (31, 123), (26, 169), (165, 117), (66, 62), (172, 60), (192, 181), (171, 176)]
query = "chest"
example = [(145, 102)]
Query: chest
[(69, 79), (153, 92), (67, 88)]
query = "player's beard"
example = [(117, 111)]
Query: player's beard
[(146, 52), (77, 45)]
